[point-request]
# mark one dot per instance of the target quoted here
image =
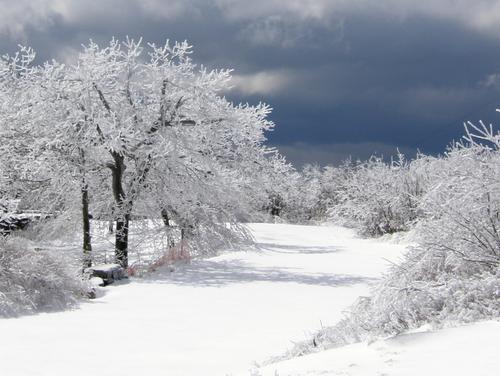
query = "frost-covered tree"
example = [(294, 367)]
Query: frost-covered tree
[(16, 76), (163, 124), (45, 155), (378, 197), (154, 123)]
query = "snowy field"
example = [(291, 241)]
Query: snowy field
[(219, 316)]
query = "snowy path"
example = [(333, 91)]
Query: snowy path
[(214, 317)]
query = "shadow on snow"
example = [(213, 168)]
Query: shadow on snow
[(221, 273), (307, 250)]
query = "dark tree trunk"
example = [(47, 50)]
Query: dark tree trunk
[(124, 210), (121, 240), (166, 222), (164, 216), (87, 244)]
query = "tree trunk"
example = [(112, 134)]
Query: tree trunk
[(164, 216), (166, 222), (87, 244), (121, 240), (124, 210)]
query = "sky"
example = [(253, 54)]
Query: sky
[(346, 78)]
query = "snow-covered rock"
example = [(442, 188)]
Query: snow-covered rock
[(107, 273)]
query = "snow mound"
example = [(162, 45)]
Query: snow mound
[(466, 350)]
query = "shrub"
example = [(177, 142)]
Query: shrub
[(33, 280), (414, 293), (378, 198)]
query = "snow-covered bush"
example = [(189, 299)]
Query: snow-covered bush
[(309, 194), (299, 199), (33, 280), (378, 197), (427, 288), (463, 210), (400, 304), (417, 292)]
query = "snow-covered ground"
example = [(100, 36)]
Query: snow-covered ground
[(217, 316), (466, 350)]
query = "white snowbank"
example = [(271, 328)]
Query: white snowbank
[(466, 350)]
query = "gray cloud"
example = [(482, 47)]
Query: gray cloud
[(263, 82), (344, 76), (481, 15)]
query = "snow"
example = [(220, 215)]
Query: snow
[(466, 350), (105, 267), (96, 281), (218, 316)]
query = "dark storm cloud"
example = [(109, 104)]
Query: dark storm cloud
[(344, 78)]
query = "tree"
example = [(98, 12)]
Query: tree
[(15, 81), (174, 148), (43, 140)]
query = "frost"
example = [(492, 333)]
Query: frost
[(33, 280)]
